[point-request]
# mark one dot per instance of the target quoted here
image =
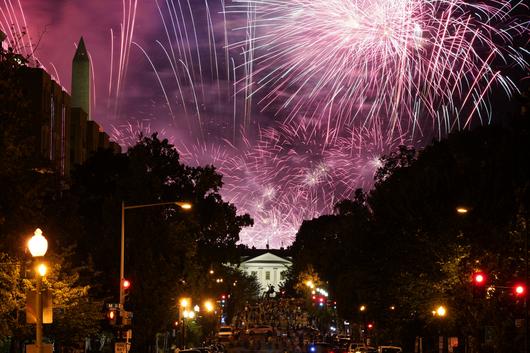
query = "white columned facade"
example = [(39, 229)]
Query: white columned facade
[(269, 269)]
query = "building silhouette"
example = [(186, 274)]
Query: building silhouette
[(63, 131)]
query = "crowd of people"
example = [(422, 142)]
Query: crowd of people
[(282, 314), (291, 332)]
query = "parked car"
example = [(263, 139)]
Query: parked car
[(389, 349), (366, 349), (343, 340), (225, 332), (219, 348), (260, 330), (355, 346)]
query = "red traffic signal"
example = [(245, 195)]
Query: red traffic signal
[(112, 316), (126, 284), (370, 326), (519, 290), (479, 278)]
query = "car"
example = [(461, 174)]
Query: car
[(366, 349), (389, 349), (355, 346), (225, 332), (260, 330), (343, 340), (219, 348)]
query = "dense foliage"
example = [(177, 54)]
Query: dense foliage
[(404, 246), (168, 250)]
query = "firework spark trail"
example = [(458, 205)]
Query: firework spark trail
[(118, 59), (347, 81), (286, 167), (411, 58), (11, 25), (351, 88)]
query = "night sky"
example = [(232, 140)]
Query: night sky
[(260, 109)]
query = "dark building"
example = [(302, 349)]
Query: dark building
[(64, 132), (49, 106)]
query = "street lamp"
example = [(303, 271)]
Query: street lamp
[(38, 245), (462, 210), (185, 302), (440, 312), (208, 305), (183, 205)]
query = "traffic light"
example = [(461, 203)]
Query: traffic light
[(370, 326), (519, 290), (126, 287), (479, 279), (112, 316)]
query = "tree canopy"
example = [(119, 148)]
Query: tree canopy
[(404, 245)]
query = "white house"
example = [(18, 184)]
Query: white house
[(268, 268)]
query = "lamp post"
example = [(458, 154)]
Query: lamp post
[(440, 312), (184, 313), (183, 205), (38, 245)]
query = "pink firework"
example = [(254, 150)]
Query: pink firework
[(291, 174), (406, 65)]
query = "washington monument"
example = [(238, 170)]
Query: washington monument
[(81, 79)]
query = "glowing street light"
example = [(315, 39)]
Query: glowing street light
[(441, 311), (462, 210), (184, 205), (189, 314), (362, 308), (184, 302), (208, 305), (42, 269), (38, 245)]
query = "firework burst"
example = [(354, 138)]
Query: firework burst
[(405, 65)]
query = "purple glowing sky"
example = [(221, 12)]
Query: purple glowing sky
[(293, 123)]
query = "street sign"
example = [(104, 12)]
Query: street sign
[(121, 347), (126, 317), (31, 305)]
